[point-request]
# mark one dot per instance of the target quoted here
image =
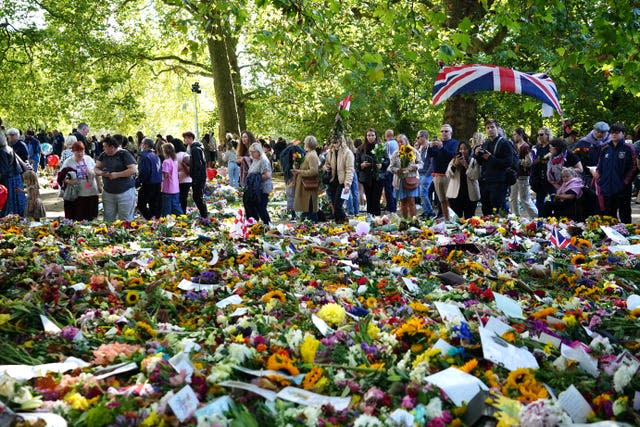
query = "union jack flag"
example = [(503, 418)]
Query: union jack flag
[(345, 104), (454, 80), (557, 239)]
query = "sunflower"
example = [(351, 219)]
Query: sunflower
[(132, 297), (578, 259), (136, 281), (280, 361), (277, 294), (312, 377)]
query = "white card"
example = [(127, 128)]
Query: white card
[(49, 326), (184, 403), (633, 302), (240, 311), (449, 312), (614, 235), (508, 306), (51, 419), (458, 385), (263, 392), (410, 283), (497, 326), (78, 287), (182, 362), (188, 285), (214, 257), (499, 351), (321, 325), (549, 339), (232, 300), (586, 361), (217, 407), (25, 372), (304, 397), (575, 404), (267, 373)]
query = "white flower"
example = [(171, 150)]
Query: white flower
[(311, 415), (400, 418), (238, 353), (367, 421), (26, 400), (560, 364), (7, 387), (294, 338), (419, 373), (601, 344), (344, 293), (434, 408), (623, 376), (219, 372)]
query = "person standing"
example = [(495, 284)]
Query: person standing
[(589, 147), (405, 163), (17, 145), (494, 156), (442, 151), (149, 181), (198, 171), (11, 178), (463, 190), (372, 170), (117, 167), (34, 149), (85, 207), (170, 185), (184, 172), (540, 157), (243, 158), (520, 200), (81, 133), (425, 172), (286, 161), (616, 170), (258, 185), (340, 162), (389, 192), (306, 200)]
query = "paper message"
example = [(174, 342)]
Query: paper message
[(188, 285), (549, 339), (121, 368), (614, 235), (508, 306), (499, 351), (267, 373), (184, 403), (497, 326), (232, 300), (263, 392), (25, 372), (411, 285), (575, 404), (307, 398), (458, 385), (49, 326), (51, 419), (443, 346), (586, 361), (321, 325), (217, 407), (182, 362), (633, 302), (449, 312)]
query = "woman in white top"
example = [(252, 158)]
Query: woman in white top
[(86, 205)]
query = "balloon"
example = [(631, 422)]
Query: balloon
[(3, 195), (362, 229), (53, 160), (211, 173), (46, 148)]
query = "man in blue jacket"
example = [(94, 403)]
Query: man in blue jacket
[(149, 181), (442, 151), (494, 156), (616, 170)]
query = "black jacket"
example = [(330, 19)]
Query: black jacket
[(198, 170), (495, 167)]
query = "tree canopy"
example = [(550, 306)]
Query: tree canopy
[(280, 66)]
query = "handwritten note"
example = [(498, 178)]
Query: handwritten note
[(508, 306), (499, 351), (184, 403), (307, 398), (575, 404), (218, 406), (449, 312)]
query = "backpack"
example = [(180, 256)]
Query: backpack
[(511, 173)]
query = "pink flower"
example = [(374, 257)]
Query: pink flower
[(408, 402)]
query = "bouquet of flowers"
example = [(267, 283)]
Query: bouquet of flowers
[(407, 156), (379, 151), (298, 158)]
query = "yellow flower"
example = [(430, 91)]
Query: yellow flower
[(4, 318), (79, 402), (312, 377), (426, 356), (469, 366), (373, 331), (419, 307), (277, 294), (146, 329), (332, 313), (308, 349), (371, 302), (153, 420), (132, 297)]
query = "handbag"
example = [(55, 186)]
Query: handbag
[(310, 183), (71, 193), (410, 182)]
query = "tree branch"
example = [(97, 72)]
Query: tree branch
[(176, 58)]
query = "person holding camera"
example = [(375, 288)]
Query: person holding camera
[(463, 190), (494, 156)]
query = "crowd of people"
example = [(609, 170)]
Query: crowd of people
[(562, 176)]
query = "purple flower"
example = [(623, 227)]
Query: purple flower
[(69, 333)]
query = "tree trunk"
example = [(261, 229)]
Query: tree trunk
[(461, 113), (226, 80)]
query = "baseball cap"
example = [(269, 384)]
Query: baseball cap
[(601, 127)]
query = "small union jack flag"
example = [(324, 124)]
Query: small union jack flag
[(557, 239), (345, 104), (471, 78)]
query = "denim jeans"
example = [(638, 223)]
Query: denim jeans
[(425, 183), (353, 203), (171, 204), (520, 201), (120, 206), (389, 192), (234, 174), (493, 196)]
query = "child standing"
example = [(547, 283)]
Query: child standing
[(230, 158), (35, 207), (170, 186)]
